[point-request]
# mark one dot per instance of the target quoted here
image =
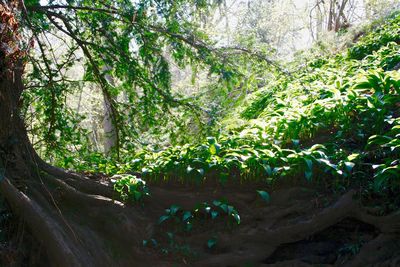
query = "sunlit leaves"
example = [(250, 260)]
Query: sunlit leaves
[(130, 187), (329, 120)]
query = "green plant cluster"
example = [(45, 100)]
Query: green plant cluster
[(201, 211), (386, 150), (377, 39), (355, 108), (177, 223), (341, 101), (130, 187)]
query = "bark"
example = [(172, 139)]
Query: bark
[(331, 14), (336, 17), (110, 131), (339, 24)]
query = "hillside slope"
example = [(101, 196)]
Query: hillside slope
[(337, 116)]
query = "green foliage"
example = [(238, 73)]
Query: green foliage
[(333, 121), (130, 187), (211, 243), (377, 39), (175, 224), (264, 195), (200, 212), (135, 43), (228, 209), (341, 98), (171, 213), (351, 249), (257, 106), (386, 148)]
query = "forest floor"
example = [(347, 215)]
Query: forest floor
[(299, 226)]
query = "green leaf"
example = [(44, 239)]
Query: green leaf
[(214, 214), (231, 209), (211, 140), (200, 172), (308, 175), (378, 140), (174, 209), (363, 85), (267, 169), (377, 166), (349, 166), (217, 203), (327, 163), (163, 219), (309, 163), (189, 169), (137, 195), (236, 217), (214, 149), (353, 156), (224, 207), (317, 146), (211, 243), (186, 215), (264, 195)]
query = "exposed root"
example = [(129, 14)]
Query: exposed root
[(45, 228), (80, 182), (384, 250), (82, 229), (72, 194), (258, 244)]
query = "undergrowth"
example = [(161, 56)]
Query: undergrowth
[(336, 119)]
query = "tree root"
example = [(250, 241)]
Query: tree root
[(79, 228), (45, 228), (385, 246), (80, 182), (259, 244), (78, 196)]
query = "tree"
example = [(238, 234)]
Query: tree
[(110, 130), (336, 15), (332, 15), (76, 218)]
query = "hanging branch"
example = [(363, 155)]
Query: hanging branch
[(102, 81)]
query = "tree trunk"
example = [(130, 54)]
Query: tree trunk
[(110, 131), (336, 15), (339, 24), (70, 214), (73, 216)]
